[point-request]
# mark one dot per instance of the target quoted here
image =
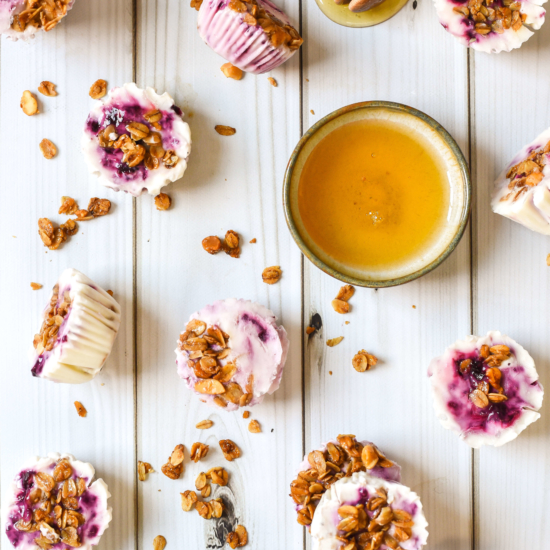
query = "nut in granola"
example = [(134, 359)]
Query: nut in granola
[(229, 449)]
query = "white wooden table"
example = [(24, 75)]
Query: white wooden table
[(138, 409)]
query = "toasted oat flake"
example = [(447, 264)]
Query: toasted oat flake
[(340, 306), (363, 361), (198, 451), (98, 89), (230, 71), (246, 414), (345, 293), (29, 104), (178, 455), (334, 341), (163, 201), (204, 424), (36, 286), (225, 130), (188, 500), (49, 150), (272, 81), (47, 88), (80, 409), (144, 469), (272, 275), (254, 427), (159, 543)]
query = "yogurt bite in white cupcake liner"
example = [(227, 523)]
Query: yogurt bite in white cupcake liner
[(333, 461), (25, 18), (486, 389), (232, 353), (55, 504), (363, 511), (78, 329), (136, 140), (254, 35)]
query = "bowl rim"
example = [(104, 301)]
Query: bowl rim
[(450, 142)]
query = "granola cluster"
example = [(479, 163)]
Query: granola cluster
[(487, 16), (206, 509), (206, 347), (338, 460), (279, 34), (58, 309), (486, 375), (55, 501), (41, 14), (376, 523), (141, 145), (231, 244), (527, 173)]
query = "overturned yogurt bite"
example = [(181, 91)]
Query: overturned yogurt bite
[(54, 503), (366, 512), (136, 140), (335, 460), (253, 35), (486, 389), (78, 329), (522, 190), (232, 353), (24, 18), (488, 26)]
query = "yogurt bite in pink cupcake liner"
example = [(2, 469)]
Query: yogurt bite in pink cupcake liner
[(253, 35), (78, 329), (136, 140), (333, 461), (486, 389), (55, 504), (363, 511), (232, 353), (24, 18)]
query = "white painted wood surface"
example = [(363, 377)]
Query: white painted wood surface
[(153, 261)]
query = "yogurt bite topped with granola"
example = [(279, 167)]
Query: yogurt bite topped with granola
[(486, 389), (24, 18), (78, 329), (254, 35), (55, 504), (136, 140), (232, 353), (366, 512)]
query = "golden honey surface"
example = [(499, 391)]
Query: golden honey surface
[(373, 195)]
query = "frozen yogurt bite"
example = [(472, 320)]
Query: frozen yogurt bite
[(232, 353), (136, 140), (488, 26), (254, 35), (522, 190), (24, 18), (55, 504), (78, 329), (486, 389), (339, 458), (363, 511)]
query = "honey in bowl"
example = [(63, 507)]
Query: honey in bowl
[(378, 194)]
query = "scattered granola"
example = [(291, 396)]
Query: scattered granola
[(178, 455), (253, 241), (196, 4), (198, 451), (212, 509), (144, 469), (212, 244), (363, 361), (334, 341), (229, 449), (225, 130), (174, 467), (47, 88), (254, 427), (230, 71), (68, 206), (29, 104), (310, 330), (80, 409), (340, 303), (98, 89), (230, 245), (272, 275), (40, 14), (219, 476), (272, 81), (204, 424), (49, 150), (188, 500), (246, 414), (163, 201), (237, 538), (159, 543), (36, 286), (99, 207)]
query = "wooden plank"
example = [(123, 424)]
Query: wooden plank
[(411, 61), (512, 290), (231, 183), (38, 417)]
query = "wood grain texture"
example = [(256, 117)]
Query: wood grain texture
[(392, 405), (37, 416), (512, 289), (231, 183)]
